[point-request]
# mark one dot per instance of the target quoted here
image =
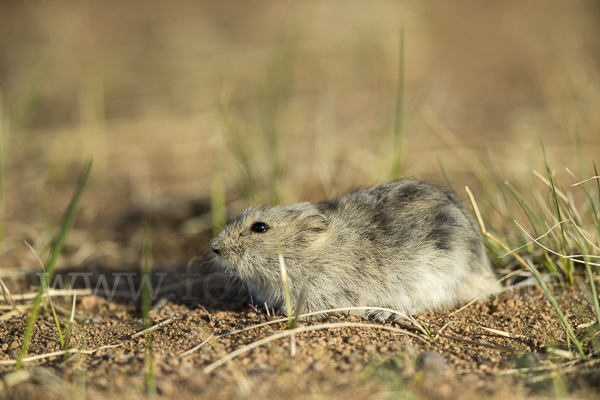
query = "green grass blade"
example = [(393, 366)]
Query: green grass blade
[(241, 151), (445, 173), (68, 218), (147, 306), (399, 122), (580, 152), (57, 322), (596, 305), (554, 196), (218, 208), (269, 102), (28, 100), (2, 162), (590, 198), (598, 189), (56, 249), (274, 95), (534, 218)]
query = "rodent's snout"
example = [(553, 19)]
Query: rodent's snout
[(214, 246)]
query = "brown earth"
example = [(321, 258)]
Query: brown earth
[(462, 361)]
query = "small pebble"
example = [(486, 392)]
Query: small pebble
[(353, 339), (317, 367), (432, 363), (370, 348), (528, 360)]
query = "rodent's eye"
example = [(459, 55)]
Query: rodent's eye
[(259, 227)]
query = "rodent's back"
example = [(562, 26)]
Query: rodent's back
[(403, 218)]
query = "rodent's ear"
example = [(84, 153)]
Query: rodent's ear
[(315, 223)]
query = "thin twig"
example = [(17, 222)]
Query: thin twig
[(565, 367), (6, 293), (502, 333), (530, 242), (585, 180), (72, 317), (53, 293), (548, 183), (155, 327), (60, 353), (583, 235), (574, 258), (193, 349), (470, 341)]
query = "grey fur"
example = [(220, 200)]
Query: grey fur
[(407, 245)]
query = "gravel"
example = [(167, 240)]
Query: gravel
[(464, 360)]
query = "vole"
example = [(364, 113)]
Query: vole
[(407, 245)]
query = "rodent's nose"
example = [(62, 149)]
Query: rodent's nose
[(214, 247)]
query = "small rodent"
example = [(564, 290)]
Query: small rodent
[(407, 245)]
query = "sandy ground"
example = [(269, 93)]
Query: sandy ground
[(463, 358)]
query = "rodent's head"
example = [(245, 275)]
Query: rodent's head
[(248, 245)]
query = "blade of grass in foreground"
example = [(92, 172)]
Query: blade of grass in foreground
[(147, 306), (398, 125), (55, 251), (449, 181), (285, 281), (218, 208), (598, 187), (1, 172)]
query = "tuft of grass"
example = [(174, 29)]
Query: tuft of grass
[(55, 250), (147, 307), (529, 265), (566, 232)]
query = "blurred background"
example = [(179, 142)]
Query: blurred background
[(279, 101)]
